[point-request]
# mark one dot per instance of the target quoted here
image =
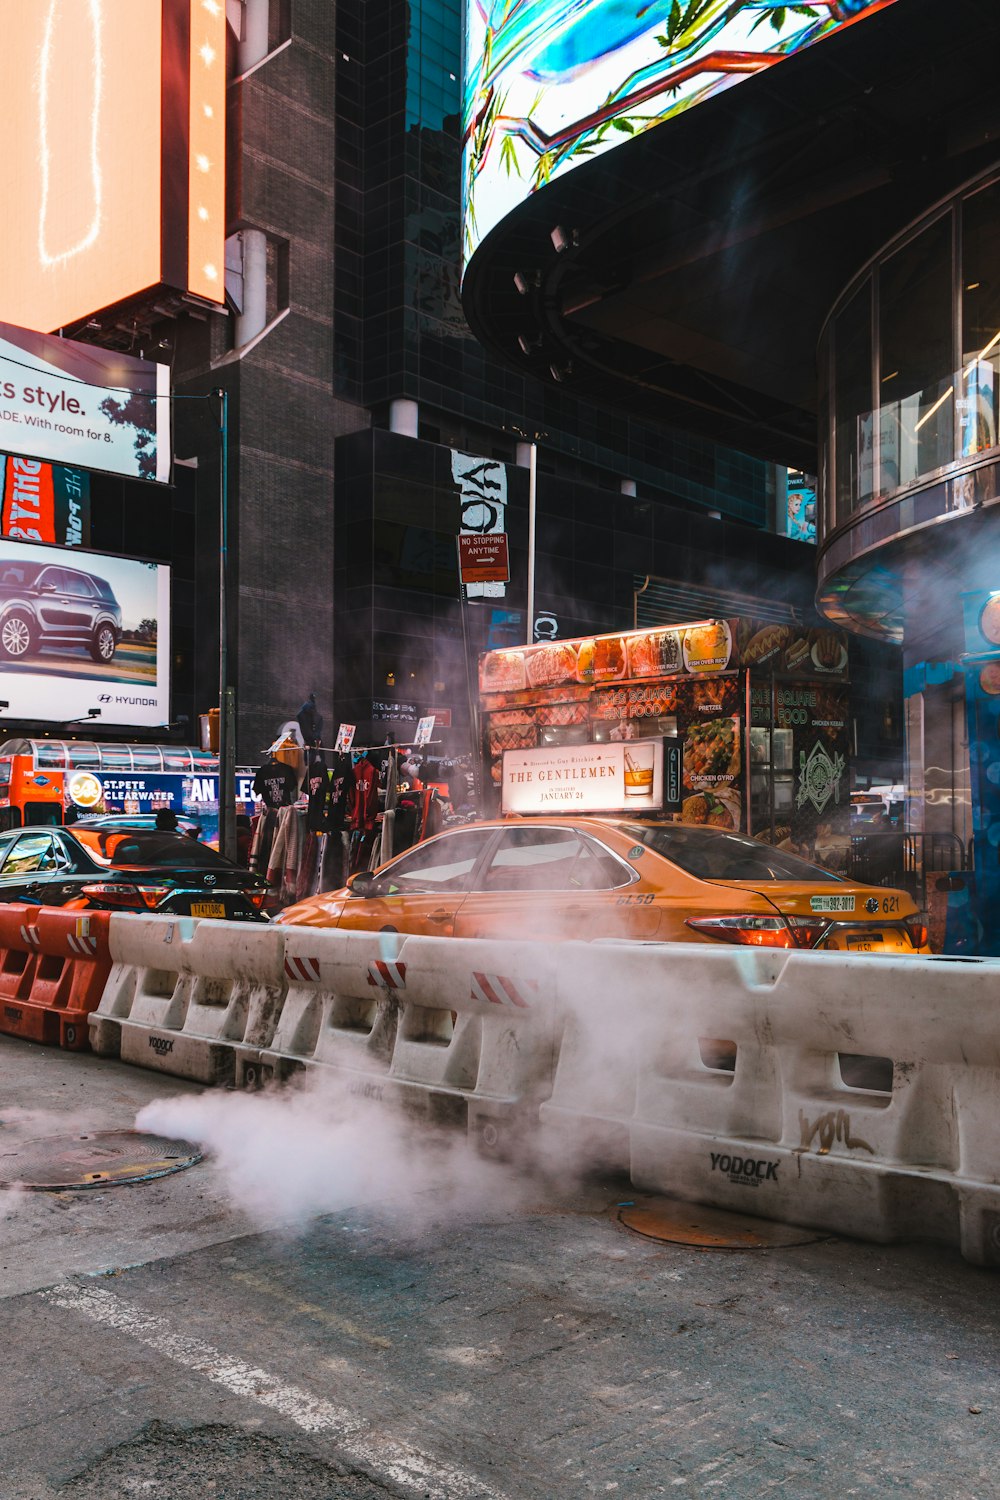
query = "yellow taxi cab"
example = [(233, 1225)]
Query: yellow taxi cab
[(586, 878)]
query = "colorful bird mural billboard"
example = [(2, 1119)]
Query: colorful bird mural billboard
[(550, 83)]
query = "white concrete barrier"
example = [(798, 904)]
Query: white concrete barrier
[(188, 997), (853, 1094), (457, 1030)]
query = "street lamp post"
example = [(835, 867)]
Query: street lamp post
[(227, 696), (530, 440)]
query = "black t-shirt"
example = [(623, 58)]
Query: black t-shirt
[(317, 790), (276, 784), (341, 786)]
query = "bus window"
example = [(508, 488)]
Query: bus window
[(42, 814)]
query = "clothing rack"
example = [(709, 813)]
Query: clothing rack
[(360, 749)]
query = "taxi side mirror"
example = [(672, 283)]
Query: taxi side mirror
[(361, 883)]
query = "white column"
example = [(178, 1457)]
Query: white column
[(404, 417), (253, 319), (253, 37), (523, 455)]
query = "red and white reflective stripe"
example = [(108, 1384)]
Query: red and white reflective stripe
[(499, 990), (299, 969), (29, 936), (86, 947), (387, 976)]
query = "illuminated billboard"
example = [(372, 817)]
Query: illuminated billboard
[(83, 636), (113, 175), (77, 404), (551, 83)]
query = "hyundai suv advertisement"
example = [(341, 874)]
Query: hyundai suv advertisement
[(83, 637)]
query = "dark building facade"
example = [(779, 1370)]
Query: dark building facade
[(355, 386)]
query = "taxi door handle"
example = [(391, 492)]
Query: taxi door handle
[(439, 916)]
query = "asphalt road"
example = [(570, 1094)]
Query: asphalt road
[(159, 1342)]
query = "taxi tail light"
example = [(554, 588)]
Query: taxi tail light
[(807, 931), (258, 897), (118, 893), (751, 931), (918, 933)]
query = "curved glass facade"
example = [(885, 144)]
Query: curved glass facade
[(910, 375)]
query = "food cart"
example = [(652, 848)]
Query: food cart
[(760, 711)]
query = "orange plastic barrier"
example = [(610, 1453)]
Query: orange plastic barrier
[(54, 965)]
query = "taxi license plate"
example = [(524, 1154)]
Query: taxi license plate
[(208, 909), (869, 942)]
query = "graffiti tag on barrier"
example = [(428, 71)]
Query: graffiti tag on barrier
[(835, 1125)]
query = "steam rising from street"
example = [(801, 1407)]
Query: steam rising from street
[(298, 1152)]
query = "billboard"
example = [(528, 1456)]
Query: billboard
[(77, 404), (44, 502), (584, 779), (81, 632), (550, 83), (114, 178)]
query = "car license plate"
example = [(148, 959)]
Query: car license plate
[(869, 942), (208, 909)]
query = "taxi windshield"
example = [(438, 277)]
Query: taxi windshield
[(712, 854), (136, 848)]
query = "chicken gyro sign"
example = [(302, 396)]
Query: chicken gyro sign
[(585, 778), (89, 408)]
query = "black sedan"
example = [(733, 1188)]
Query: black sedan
[(112, 867)]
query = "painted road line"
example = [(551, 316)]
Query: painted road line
[(383, 1458)]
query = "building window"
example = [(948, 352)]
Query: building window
[(980, 376), (917, 365), (853, 401)]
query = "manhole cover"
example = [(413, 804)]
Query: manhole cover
[(106, 1158), (708, 1228)]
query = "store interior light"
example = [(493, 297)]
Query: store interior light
[(936, 407)]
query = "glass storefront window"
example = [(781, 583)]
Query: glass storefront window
[(916, 384), (980, 377), (853, 401)]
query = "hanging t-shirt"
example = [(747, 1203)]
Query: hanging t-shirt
[(276, 784), (317, 790), (341, 788), (364, 803)]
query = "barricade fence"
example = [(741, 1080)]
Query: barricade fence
[(54, 965), (850, 1093)]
